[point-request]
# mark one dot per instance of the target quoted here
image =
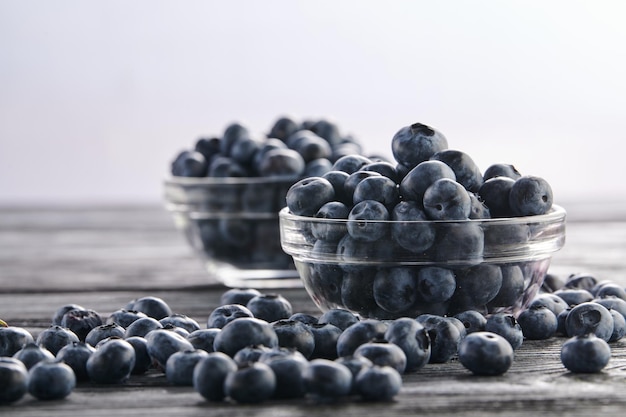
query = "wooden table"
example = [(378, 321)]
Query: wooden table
[(102, 258)]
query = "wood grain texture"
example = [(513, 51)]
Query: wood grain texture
[(102, 258)]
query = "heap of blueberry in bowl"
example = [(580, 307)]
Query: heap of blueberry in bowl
[(428, 233), (226, 191)]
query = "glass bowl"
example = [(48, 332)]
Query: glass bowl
[(488, 265), (232, 224)]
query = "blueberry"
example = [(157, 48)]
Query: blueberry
[(243, 332), (143, 361), (417, 143), (163, 343), (410, 228), (181, 320), (338, 179), (250, 383), (250, 353), (313, 147), (357, 290), (506, 325), (582, 281), (444, 337), (81, 322), (327, 380), (435, 284), (395, 289), (282, 163), (12, 339), (225, 167), (124, 317), (305, 197), (55, 337), (325, 336), (338, 317), (327, 130), (501, 170), (234, 132), (351, 163), (31, 353), (238, 296), (103, 331), (180, 366), (585, 353), (296, 335), (552, 282), (446, 199), (413, 339), (208, 146), (485, 353), (330, 231), (574, 296), (317, 167), (415, 183), (210, 373), (478, 208), (283, 127), (551, 301), (224, 314), (141, 327), (465, 169), (589, 317), (112, 362), (477, 286), (151, 306), (355, 364), (384, 168), (612, 303), (530, 195), (76, 355), (353, 180), (459, 243), (383, 353), (51, 380), (511, 291), (610, 290), (378, 383), (203, 338), (351, 252), (305, 318), (363, 331), (538, 322), (60, 312), (619, 326), (472, 320), (270, 307), (378, 188), (288, 371), (366, 221), (13, 380), (244, 150), (189, 164), (495, 193)]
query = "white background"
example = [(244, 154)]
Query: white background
[(96, 97)]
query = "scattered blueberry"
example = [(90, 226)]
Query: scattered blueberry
[(112, 362), (585, 353), (51, 380), (250, 383), (13, 380), (485, 353), (378, 383), (210, 373)]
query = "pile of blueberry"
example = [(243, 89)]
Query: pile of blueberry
[(254, 347), (363, 227), (238, 222)]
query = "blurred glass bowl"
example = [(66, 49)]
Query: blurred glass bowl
[(491, 265), (232, 224)]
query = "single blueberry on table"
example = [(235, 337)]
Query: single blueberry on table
[(485, 353), (141, 327), (13, 380), (338, 317), (163, 343), (243, 332), (446, 199), (589, 317), (619, 326), (472, 320), (210, 373), (417, 180), (51, 380), (12, 339), (76, 355), (31, 353), (81, 322), (124, 317), (378, 383), (574, 296), (295, 334), (551, 301), (413, 339), (538, 322), (465, 169), (60, 312), (181, 320), (612, 303), (104, 331), (417, 143), (288, 371), (383, 353), (410, 228), (151, 306), (251, 383), (270, 307), (610, 290), (224, 314), (180, 366), (305, 197), (581, 280), (143, 361), (325, 336), (366, 221), (530, 195), (250, 353), (112, 362), (55, 337), (355, 364), (585, 353), (203, 338), (238, 296), (327, 380), (363, 331), (444, 335)]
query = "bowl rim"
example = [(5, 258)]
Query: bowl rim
[(556, 213)]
